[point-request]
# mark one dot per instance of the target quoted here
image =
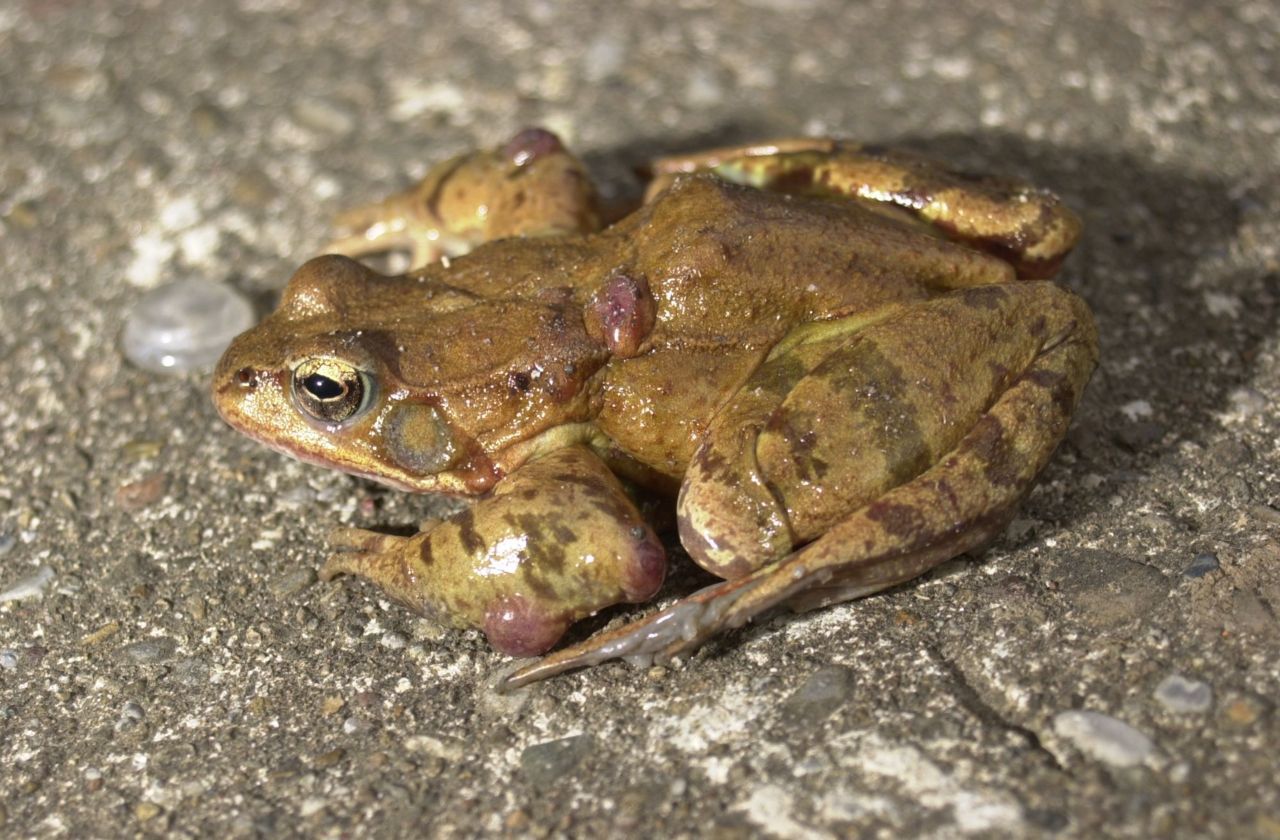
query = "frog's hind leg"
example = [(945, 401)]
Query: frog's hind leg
[(949, 502), (1020, 223)]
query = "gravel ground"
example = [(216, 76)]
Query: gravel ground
[(1107, 668)]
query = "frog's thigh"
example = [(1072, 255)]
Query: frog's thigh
[(556, 541), (879, 408)]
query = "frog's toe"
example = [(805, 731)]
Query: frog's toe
[(366, 554), (361, 539)]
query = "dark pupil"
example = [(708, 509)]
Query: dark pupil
[(322, 387)]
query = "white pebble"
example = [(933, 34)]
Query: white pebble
[(1104, 738), (31, 586), (184, 326), (1181, 695), (1136, 410)]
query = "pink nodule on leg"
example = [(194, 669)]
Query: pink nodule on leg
[(646, 570), (517, 627)]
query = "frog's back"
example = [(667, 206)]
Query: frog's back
[(723, 259), (732, 270)]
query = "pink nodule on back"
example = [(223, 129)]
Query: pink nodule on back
[(622, 313)]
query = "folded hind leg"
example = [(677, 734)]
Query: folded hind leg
[(932, 462), (1020, 223)]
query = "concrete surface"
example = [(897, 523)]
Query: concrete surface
[(1108, 668)]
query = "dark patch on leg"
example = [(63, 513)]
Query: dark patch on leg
[(546, 541), (426, 554), (944, 488), (796, 180), (905, 522), (1064, 396), (991, 446), (877, 391), (709, 461), (465, 521)]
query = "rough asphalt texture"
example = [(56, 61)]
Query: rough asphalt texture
[(1107, 668)]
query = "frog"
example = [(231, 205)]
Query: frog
[(841, 364)]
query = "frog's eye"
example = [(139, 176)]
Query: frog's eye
[(330, 390)]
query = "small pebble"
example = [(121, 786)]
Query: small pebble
[(822, 693), (352, 725), (323, 115), (137, 495), (142, 450), (393, 641), (1104, 738), (150, 651), (8, 659), (191, 672), (31, 586), (329, 759), (146, 810), (547, 764), (296, 497), (184, 326), (1243, 711), (292, 582), (7, 542), (1202, 565), (132, 712), (1181, 695)]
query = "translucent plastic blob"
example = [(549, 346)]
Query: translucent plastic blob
[(184, 326)]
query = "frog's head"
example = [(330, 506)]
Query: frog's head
[(404, 380)]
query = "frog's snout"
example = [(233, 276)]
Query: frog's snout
[(236, 382)]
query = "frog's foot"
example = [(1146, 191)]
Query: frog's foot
[(362, 553)]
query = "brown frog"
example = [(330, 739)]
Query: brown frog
[(845, 363)]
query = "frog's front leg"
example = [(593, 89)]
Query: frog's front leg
[(529, 186), (853, 463), (556, 541)]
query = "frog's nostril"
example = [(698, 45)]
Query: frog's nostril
[(246, 377)]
